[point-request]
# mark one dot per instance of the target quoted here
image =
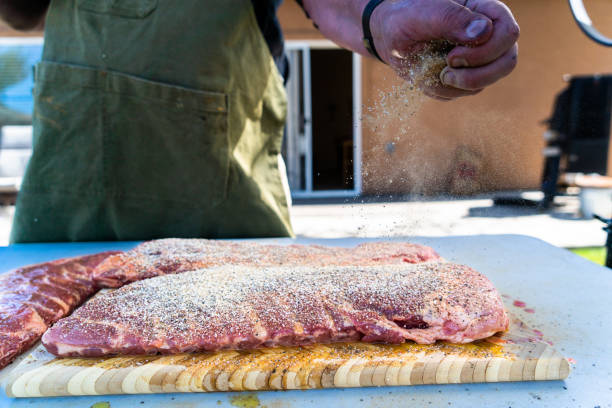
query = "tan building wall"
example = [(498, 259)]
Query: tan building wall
[(502, 124)]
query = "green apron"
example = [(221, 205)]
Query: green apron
[(154, 118)]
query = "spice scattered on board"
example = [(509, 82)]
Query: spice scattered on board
[(245, 401)]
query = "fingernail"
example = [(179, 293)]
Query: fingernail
[(459, 63), (398, 54), (447, 77), (476, 28)]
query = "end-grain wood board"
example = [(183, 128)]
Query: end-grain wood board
[(517, 355)]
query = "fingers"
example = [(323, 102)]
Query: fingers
[(446, 93), (484, 29), (505, 34), (471, 79), (443, 92), (446, 19)]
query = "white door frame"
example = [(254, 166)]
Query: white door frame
[(298, 134), (21, 41), (306, 46)]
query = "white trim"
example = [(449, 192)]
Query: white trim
[(307, 92), (21, 40), (357, 124), (324, 194), (295, 45), (292, 139), (312, 44)]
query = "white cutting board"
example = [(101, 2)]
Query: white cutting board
[(570, 297)]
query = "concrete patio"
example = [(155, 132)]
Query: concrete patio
[(373, 217), (561, 226)]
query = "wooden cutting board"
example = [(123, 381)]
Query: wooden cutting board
[(517, 355)]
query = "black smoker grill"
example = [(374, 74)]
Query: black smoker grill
[(578, 135), (585, 23)]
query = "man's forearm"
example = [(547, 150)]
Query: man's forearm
[(483, 33), (340, 21), (24, 14)]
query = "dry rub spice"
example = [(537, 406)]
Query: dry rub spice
[(390, 118)]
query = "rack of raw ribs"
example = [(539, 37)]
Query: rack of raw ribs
[(190, 296)]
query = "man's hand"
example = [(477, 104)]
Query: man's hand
[(484, 33), (24, 14)]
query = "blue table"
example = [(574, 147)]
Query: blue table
[(571, 296)]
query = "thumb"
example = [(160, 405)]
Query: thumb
[(446, 19)]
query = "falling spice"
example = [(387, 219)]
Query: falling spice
[(390, 119)]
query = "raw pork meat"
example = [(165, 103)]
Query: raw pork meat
[(34, 297), (172, 256), (241, 307)]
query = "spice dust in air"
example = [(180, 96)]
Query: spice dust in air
[(389, 121)]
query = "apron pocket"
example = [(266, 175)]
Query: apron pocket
[(123, 8), (152, 142)]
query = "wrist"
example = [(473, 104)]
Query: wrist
[(369, 27), (379, 22)]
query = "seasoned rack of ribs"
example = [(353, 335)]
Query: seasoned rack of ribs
[(34, 297), (239, 307), (172, 256)]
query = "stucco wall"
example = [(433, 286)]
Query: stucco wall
[(502, 124)]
